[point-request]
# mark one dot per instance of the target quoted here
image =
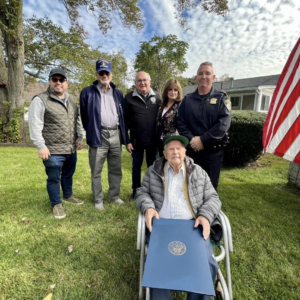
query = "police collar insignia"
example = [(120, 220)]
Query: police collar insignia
[(213, 101)]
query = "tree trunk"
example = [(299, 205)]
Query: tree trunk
[(3, 83), (14, 45)]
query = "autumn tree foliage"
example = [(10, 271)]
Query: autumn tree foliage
[(13, 57), (163, 58)]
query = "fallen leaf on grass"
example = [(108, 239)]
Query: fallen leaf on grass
[(57, 225), (3, 193), (80, 184), (125, 226), (15, 217), (88, 285), (28, 221), (52, 286), (89, 220), (118, 220), (37, 236), (23, 219), (44, 226), (80, 224), (48, 297), (17, 251), (70, 248)]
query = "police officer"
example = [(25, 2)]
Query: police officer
[(204, 118)]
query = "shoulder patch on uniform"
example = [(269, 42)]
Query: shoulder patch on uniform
[(228, 104)]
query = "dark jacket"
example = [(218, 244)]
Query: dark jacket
[(90, 111), (208, 118), (59, 131), (140, 117), (167, 124)]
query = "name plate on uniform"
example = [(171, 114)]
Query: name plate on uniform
[(177, 258)]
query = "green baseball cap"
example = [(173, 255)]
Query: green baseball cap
[(176, 137)]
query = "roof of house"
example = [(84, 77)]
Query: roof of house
[(246, 83)]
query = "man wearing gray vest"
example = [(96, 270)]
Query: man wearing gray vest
[(55, 129)]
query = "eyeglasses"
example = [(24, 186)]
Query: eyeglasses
[(61, 80), (142, 80), (101, 73)]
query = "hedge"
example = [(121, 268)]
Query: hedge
[(245, 138)]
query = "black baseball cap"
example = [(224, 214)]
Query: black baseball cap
[(57, 72), (176, 137)]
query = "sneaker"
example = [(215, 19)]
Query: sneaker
[(58, 211), (99, 206), (118, 201), (73, 200), (132, 196)]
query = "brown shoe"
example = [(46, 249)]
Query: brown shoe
[(73, 200), (58, 211)]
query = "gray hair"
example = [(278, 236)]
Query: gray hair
[(143, 72)]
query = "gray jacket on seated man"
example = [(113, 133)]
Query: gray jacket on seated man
[(176, 188)]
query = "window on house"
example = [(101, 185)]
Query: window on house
[(265, 103), (248, 102), (235, 102)]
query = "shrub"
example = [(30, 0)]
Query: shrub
[(245, 138)]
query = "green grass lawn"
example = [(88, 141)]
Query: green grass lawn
[(104, 264)]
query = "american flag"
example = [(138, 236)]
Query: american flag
[(281, 134)]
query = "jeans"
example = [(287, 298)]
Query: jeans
[(137, 162), (60, 170)]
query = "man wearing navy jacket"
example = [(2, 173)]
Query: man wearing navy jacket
[(204, 118), (102, 118)]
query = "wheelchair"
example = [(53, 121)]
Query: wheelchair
[(225, 249)]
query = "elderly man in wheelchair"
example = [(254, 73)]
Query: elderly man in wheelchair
[(176, 188)]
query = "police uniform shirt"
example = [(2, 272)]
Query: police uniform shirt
[(207, 116)]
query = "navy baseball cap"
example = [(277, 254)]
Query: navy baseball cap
[(103, 65), (57, 72), (176, 137)]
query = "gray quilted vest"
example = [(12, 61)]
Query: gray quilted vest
[(60, 121)]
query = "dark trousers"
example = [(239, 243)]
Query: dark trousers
[(137, 162), (60, 170), (209, 161), (164, 294)]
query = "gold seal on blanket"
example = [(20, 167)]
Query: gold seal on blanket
[(177, 248)]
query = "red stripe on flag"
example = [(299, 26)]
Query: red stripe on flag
[(271, 115), (289, 138), (286, 109), (297, 159)]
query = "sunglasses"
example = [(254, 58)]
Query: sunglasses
[(101, 73), (61, 80)]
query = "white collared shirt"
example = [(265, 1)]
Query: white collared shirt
[(175, 205)]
